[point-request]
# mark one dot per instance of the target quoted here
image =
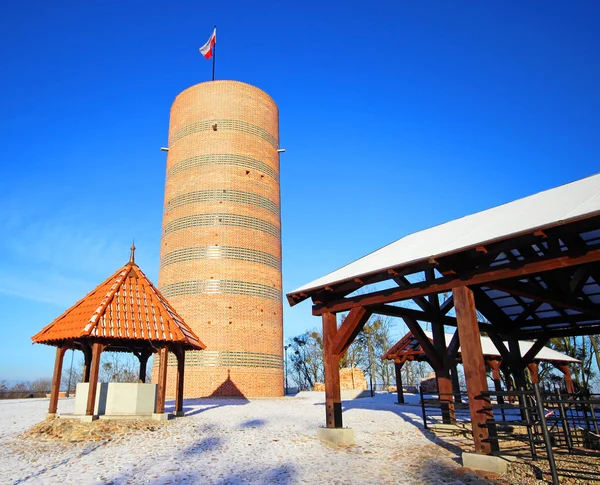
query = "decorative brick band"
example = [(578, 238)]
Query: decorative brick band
[(221, 219), (219, 358), (224, 124), (223, 159), (221, 252), (222, 195), (224, 287)]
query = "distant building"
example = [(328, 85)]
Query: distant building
[(220, 261)]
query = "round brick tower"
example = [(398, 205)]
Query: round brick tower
[(220, 263)]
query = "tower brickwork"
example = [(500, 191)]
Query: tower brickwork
[(220, 264)]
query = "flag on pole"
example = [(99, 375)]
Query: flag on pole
[(207, 49)]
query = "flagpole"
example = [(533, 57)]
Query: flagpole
[(214, 54)]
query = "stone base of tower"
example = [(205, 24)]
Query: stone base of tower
[(241, 382)]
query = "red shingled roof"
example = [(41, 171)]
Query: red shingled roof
[(126, 306)]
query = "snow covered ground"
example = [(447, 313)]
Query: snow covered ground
[(237, 442)]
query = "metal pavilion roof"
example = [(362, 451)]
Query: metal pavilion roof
[(568, 202), (409, 345), (126, 307)]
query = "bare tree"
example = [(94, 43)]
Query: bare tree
[(306, 358)]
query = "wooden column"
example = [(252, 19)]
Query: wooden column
[(472, 358), (508, 380), (93, 380), (58, 362), (442, 374), (162, 380), (495, 366), (87, 363), (143, 358), (455, 383), (516, 366), (399, 390), (331, 361), (180, 380), (566, 370), (533, 372)]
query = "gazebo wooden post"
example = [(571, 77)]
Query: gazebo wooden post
[(162, 380), (534, 372), (455, 383), (58, 362), (495, 366), (509, 381), (399, 391), (87, 362), (180, 381), (333, 400), (472, 358), (442, 374), (143, 358), (97, 349), (516, 369), (566, 370)]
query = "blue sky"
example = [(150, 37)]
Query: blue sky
[(396, 116)]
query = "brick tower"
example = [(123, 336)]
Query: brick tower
[(220, 263)]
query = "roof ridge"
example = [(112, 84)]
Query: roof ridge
[(108, 298)]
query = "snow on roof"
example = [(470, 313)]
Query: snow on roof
[(490, 350), (557, 205)]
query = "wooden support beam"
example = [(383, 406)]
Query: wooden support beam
[(482, 276), (447, 305), (566, 370), (399, 390), (397, 311), (331, 361), (533, 372), (516, 363), (473, 363), (421, 301), (524, 290), (533, 351), (87, 362), (453, 347), (444, 381), (424, 342), (180, 354), (56, 376), (504, 352), (455, 382), (163, 355), (143, 358), (97, 349), (349, 329)]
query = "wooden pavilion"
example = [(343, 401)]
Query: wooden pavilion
[(530, 267), (408, 349), (125, 313)]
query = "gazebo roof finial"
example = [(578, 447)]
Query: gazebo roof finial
[(132, 257)]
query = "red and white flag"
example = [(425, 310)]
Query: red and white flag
[(207, 49)]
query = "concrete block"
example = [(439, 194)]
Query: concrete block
[(179, 414), (118, 398), (161, 416), (336, 436), (51, 416), (497, 464), (88, 419)]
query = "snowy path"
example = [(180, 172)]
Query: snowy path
[(236, 442)]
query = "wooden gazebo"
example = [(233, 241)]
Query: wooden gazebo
[(530, 267), (408, 348), (125, 313)]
